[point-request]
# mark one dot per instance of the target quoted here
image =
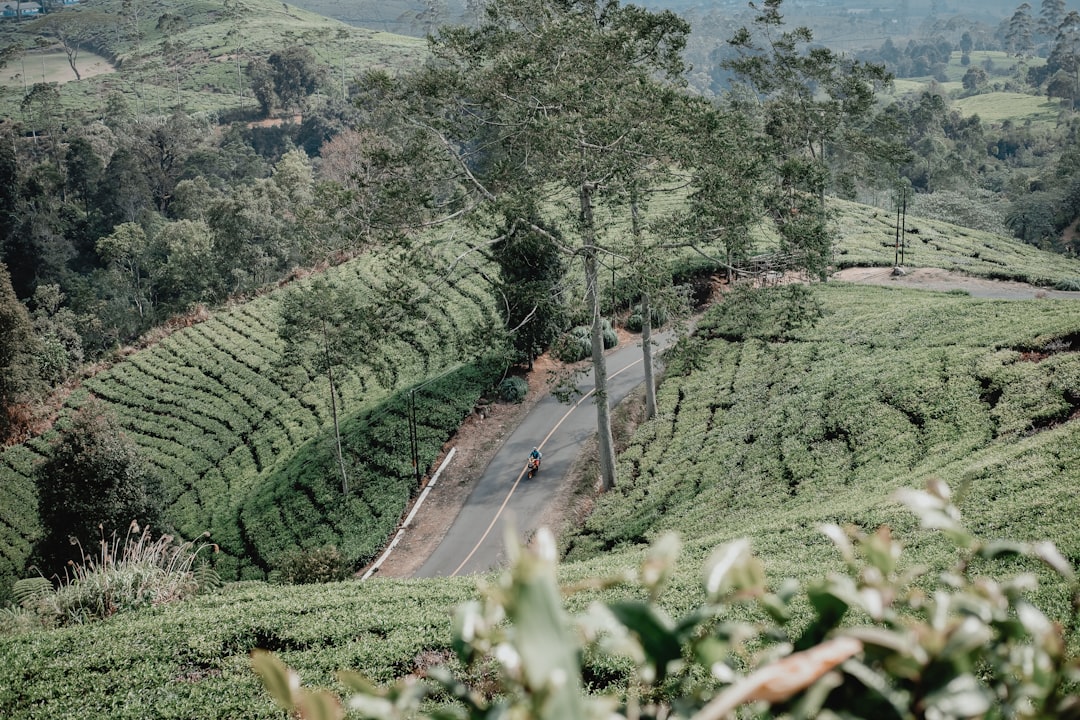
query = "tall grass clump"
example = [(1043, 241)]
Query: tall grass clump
[(138, 571)]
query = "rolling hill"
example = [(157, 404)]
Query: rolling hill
[(191, 55), (239, 438), (762, 437)]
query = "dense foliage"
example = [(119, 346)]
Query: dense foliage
[(93, 485)]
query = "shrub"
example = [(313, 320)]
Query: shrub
[(571, 348), (312, 565), (14, 620), (138, 573), (513, 389), (877, 638), (611, 339), (95, 479), (576, 344), (1071, 284), (634, 322)]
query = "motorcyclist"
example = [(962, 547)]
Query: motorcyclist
[(534, 457)]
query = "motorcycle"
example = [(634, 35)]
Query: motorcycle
[(534, 466)]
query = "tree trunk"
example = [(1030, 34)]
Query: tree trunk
[(646, 357), (606, 444), (334, 414), (646, 325)]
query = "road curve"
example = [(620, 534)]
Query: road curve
[(475, 541)]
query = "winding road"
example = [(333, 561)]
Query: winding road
[(475, 541), (504, 494)]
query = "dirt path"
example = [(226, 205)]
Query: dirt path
[(944, 280)]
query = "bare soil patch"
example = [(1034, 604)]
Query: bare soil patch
[(946, 280), (52, 66)]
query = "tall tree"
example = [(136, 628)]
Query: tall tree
[(84, 169), (10, 186), (73, 28), (542, 100), (329, 328), (285, 79), (127, 253), (531, 278), (57, 328), (812, 102), (1051, 13), (1020, 31), (1064, 60)]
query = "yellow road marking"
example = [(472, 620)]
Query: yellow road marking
[(506, 500)]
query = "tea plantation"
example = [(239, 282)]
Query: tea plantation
[(240, 441), (759, 435)]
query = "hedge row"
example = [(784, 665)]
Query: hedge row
[(302, 505), (213, 410), (887, 388)]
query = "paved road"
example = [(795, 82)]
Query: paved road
[(504, 494), (474, 542)]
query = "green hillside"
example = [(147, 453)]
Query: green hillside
[(866, 236), (240, 441), (196, 63), (772, 438), (764, 438)]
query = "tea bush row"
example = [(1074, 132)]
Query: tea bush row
[(191, 660), (871, 397), (302, 507), (212, 409)]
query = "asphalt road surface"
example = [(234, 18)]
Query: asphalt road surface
[(504, 494)]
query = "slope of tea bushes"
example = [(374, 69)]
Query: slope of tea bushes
[(190, 661), (215, 413), (771, 439), (866, 236)]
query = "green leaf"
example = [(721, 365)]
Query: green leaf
[(547, 649), (279, 681), (733, 568), (969, 635), (658, 639), (320, 705), (840, 540), (878, 683), (831, 600), (962, 697), (1048, 553), (896, 642), (1003, 548), (356, 682)]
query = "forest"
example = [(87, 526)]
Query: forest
[(116, 220)]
